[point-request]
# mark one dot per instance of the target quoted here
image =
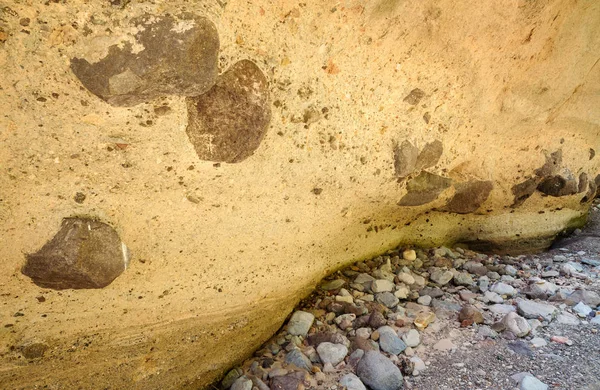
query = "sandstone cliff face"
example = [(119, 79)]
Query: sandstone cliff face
[(243, 150)]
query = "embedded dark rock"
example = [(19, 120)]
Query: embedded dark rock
[(405, 158), (430, 155), (559, 185), (83, 254), (523, 190), (469, 197), (414, 97), (176, 56), (424, 188), (228, 123)]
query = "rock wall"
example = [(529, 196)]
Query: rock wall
[(243, 150)]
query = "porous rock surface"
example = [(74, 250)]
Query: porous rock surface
[(498, 103)]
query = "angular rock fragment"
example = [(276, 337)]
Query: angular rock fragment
[(523, 190), (84, 254), (414, 97), (228, 123), (469, 197), (405, 158), (562, 184), (424, 188), (167, 56), (430, 155)]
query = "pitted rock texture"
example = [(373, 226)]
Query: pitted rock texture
[(169, 56), (83, 254), (228, 123)]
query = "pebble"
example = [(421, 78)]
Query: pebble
[(332, 353), (242, 383), (352, 382), (516, 324), (510, 270), (419, 364), (501, 308), (561, 340), (382, 285), (412, 338), (470, 315), (530, 382), (389, 341), (582, 310), (378, 372), (550, 274), (463, 279), (406, 278), (441, 277), (402, 292), (532, 309), (493, 297), (409, 255), (333, 285), (300, 323), (387, 299), (425, 300), (503, 289), (297, 358)]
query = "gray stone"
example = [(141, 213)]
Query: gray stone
[(331, 353), (85, 253), (363, 278), (300, 323), (231, 377), (387, 299), (229, 122), (441, 277), (463, 279), (590, 298), (389, 341), (300, 360), (332, 284), (550, 274), (516, 324), (582, 309), (382, 285), (492, 297), (378, 372), (242, 383), (538, 342), (530, 382), (510, 270), (503, 289), (592, 262), (532, 309), (425, 300), (352, 382), (412, 338), (567, 319), (178, 56), (501, 308)]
